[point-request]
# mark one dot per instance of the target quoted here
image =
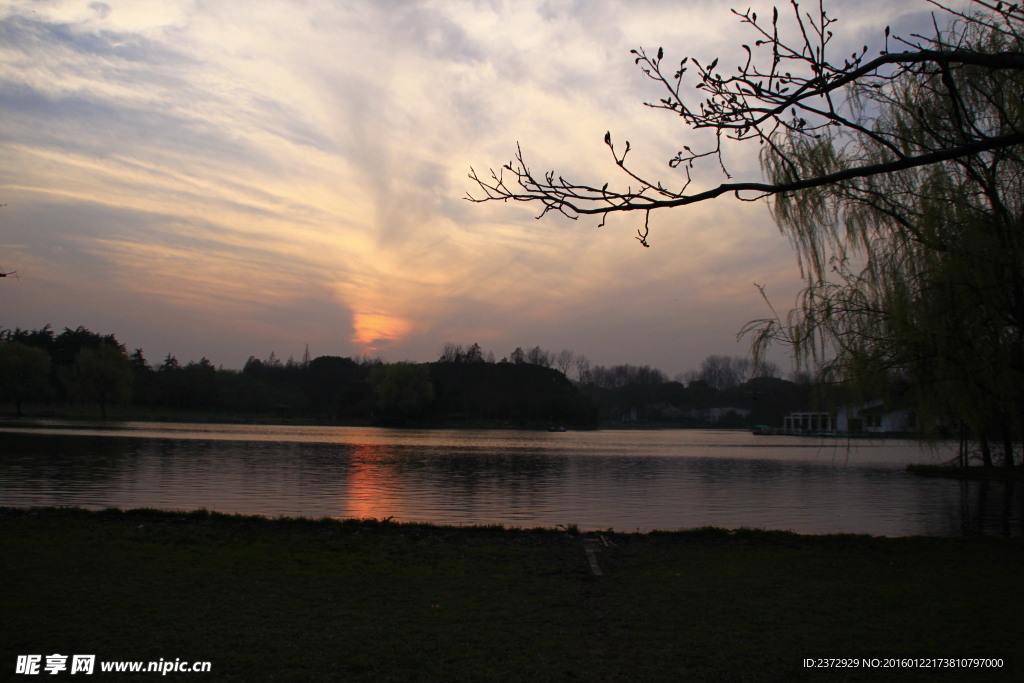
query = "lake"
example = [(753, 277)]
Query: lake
[(628, 480)]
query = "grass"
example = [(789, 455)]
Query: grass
[(310, 600)]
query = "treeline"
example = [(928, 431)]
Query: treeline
[(726, 391), (85, 370)]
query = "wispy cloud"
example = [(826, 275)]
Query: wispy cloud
[(227, 178)]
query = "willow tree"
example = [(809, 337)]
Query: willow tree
[(917, 275), (896, 176)]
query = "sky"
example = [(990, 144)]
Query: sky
[(231, 178)]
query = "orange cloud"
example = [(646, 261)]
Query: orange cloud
[(376, 330)]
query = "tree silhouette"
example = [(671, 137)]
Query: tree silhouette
[(402, 389), (24, 371), (102, 374)]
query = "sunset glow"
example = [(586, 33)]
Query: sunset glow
[(229, 180), (371, 491), (374, 331)]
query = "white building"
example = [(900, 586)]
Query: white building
[(874, 417), (807, 423)]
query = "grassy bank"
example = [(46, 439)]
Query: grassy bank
[(311, 600)]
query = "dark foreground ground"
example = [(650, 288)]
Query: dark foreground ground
[(303, 600)]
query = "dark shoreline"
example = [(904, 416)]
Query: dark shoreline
[(972, 472)]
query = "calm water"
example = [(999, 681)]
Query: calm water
[(626, 480)]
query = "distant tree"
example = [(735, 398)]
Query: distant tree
[(273, 361), (801, 376), (334, 386), (690, 375), (144, 379), (42, 338), (508, 393), (139, 362), (456, 353), (582, 369), (625, 375), (518, 356), (474, 354), (701, 394), (402, 389), (724, 372), (766, 368), (564, 360), (101, 374), (538, 356), (645, 375), (672, 393), (68, 343), (200, 384), (717, 372), (24, 371), (451, 353)]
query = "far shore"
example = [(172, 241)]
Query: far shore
[(131, 415), (115, 416)]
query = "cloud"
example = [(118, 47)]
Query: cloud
[(270, 174)]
